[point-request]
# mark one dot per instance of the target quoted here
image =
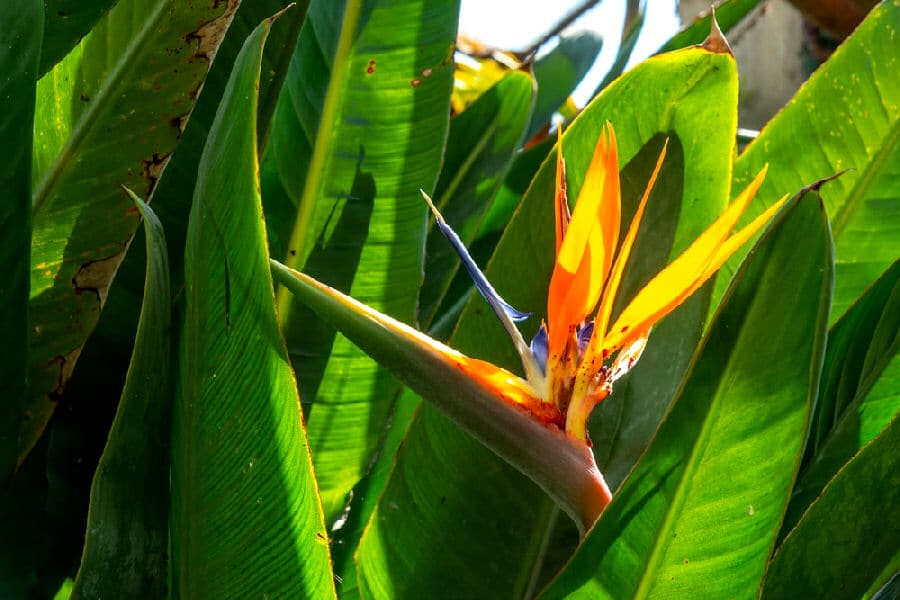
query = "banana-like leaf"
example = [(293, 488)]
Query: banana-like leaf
[(480, 149), (104, 118), (846, 545), (65, 23), (359, 130), (125, 547), (442, 477), (859, 393), (246, 518), (20, 49), (847, 116), (699, 514)]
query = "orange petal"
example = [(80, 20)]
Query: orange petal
[(604, 312), (674, 284), (586, 252), (506, 386)]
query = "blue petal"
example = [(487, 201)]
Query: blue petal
[(584, 336), (505, 313), (484, 287), (540, 348)]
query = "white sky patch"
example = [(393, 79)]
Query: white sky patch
[(515, 24)]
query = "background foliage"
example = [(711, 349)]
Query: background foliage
[(173, 423)]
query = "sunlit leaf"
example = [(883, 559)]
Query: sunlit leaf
[(246, 517), (358, 131)]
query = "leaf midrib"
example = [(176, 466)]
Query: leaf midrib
[(89, 118), (315, 173)]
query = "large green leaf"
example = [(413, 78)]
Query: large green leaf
[(125, 548), (481, 146), (65, 23), (20, 49), (699, 514), (859, 392), (414, 543), (245, 512), (359, 130), (109, 114), (847, 116), (846, 545)]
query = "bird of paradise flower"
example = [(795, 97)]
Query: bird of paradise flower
[(578, 354)]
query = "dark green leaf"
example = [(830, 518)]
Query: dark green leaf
[(846, 544), (20, 49), (246, 518), (699, 514), (859, 392), (125, 549), (65, 23)]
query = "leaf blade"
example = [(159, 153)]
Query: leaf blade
[(240, 460), (20, 49), (126, 541)]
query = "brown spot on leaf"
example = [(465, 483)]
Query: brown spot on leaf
[(97, 275), (371, 68)]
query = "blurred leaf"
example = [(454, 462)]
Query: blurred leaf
[(728, 14), (129, 90), (632, 26), (240, 462), (359, 130), (846, 543), (414, 543), (20, 49), (558, 73), (847, 116), (860, 389), (699, 514), (125, 549), (480, 149), (515, 183), (65, 23)]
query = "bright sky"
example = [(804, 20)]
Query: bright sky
[(514, 24)]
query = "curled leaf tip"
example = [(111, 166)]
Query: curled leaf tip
[(716, 42)]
